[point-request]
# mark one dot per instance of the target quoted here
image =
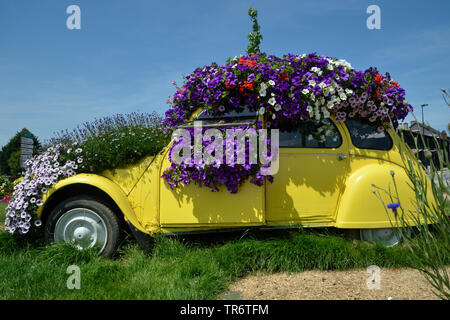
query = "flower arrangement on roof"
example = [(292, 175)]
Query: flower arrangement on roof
[(290, 89)]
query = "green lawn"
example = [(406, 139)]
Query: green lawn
[(194, 267)]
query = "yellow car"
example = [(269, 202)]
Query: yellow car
[(320, 183)]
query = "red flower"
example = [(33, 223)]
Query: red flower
[(378, 94), (247, 86), (283, 76), (378, 78), (395, 84), (251, 63), (245, 62), (229, 86)]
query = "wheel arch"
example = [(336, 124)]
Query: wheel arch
[(96, 186)]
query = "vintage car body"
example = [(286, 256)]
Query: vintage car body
[(314, 187)]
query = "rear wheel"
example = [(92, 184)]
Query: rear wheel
[(388, 237), (86, 222)]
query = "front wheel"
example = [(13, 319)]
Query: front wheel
[(85, 222)]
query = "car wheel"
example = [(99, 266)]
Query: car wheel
[(86, 222), (388, 237)]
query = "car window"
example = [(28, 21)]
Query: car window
[(239, 113), (311, 134), (366, 135)]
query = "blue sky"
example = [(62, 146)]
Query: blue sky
[(127, 53)]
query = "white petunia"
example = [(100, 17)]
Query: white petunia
[(326, 114), (272, 101), (261, 110), (305, 91), (271, 82), (277, 107), (330, 104), (317, 115)]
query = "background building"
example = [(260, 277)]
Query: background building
[(411, 133)]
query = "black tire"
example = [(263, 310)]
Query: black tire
[(110, 219)]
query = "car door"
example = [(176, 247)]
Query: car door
[(192, 206), (312, 171)]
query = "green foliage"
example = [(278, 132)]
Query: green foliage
[(113, 142), (14, 164), (11, 147), (254, 37), (428, 237), (2, 213)]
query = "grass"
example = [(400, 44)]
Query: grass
[(193, 267)]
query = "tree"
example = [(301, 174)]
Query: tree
[(14, 164), (11, 147)]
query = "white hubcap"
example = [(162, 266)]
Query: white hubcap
[(82, 227), (386, 236)]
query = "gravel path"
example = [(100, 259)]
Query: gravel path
[(401, 284)]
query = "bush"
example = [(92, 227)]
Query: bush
[(6, 189), (14, 164)]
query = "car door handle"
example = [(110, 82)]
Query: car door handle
[(341, 156)]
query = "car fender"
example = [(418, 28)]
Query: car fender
[(104, 184), (360, 208)]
